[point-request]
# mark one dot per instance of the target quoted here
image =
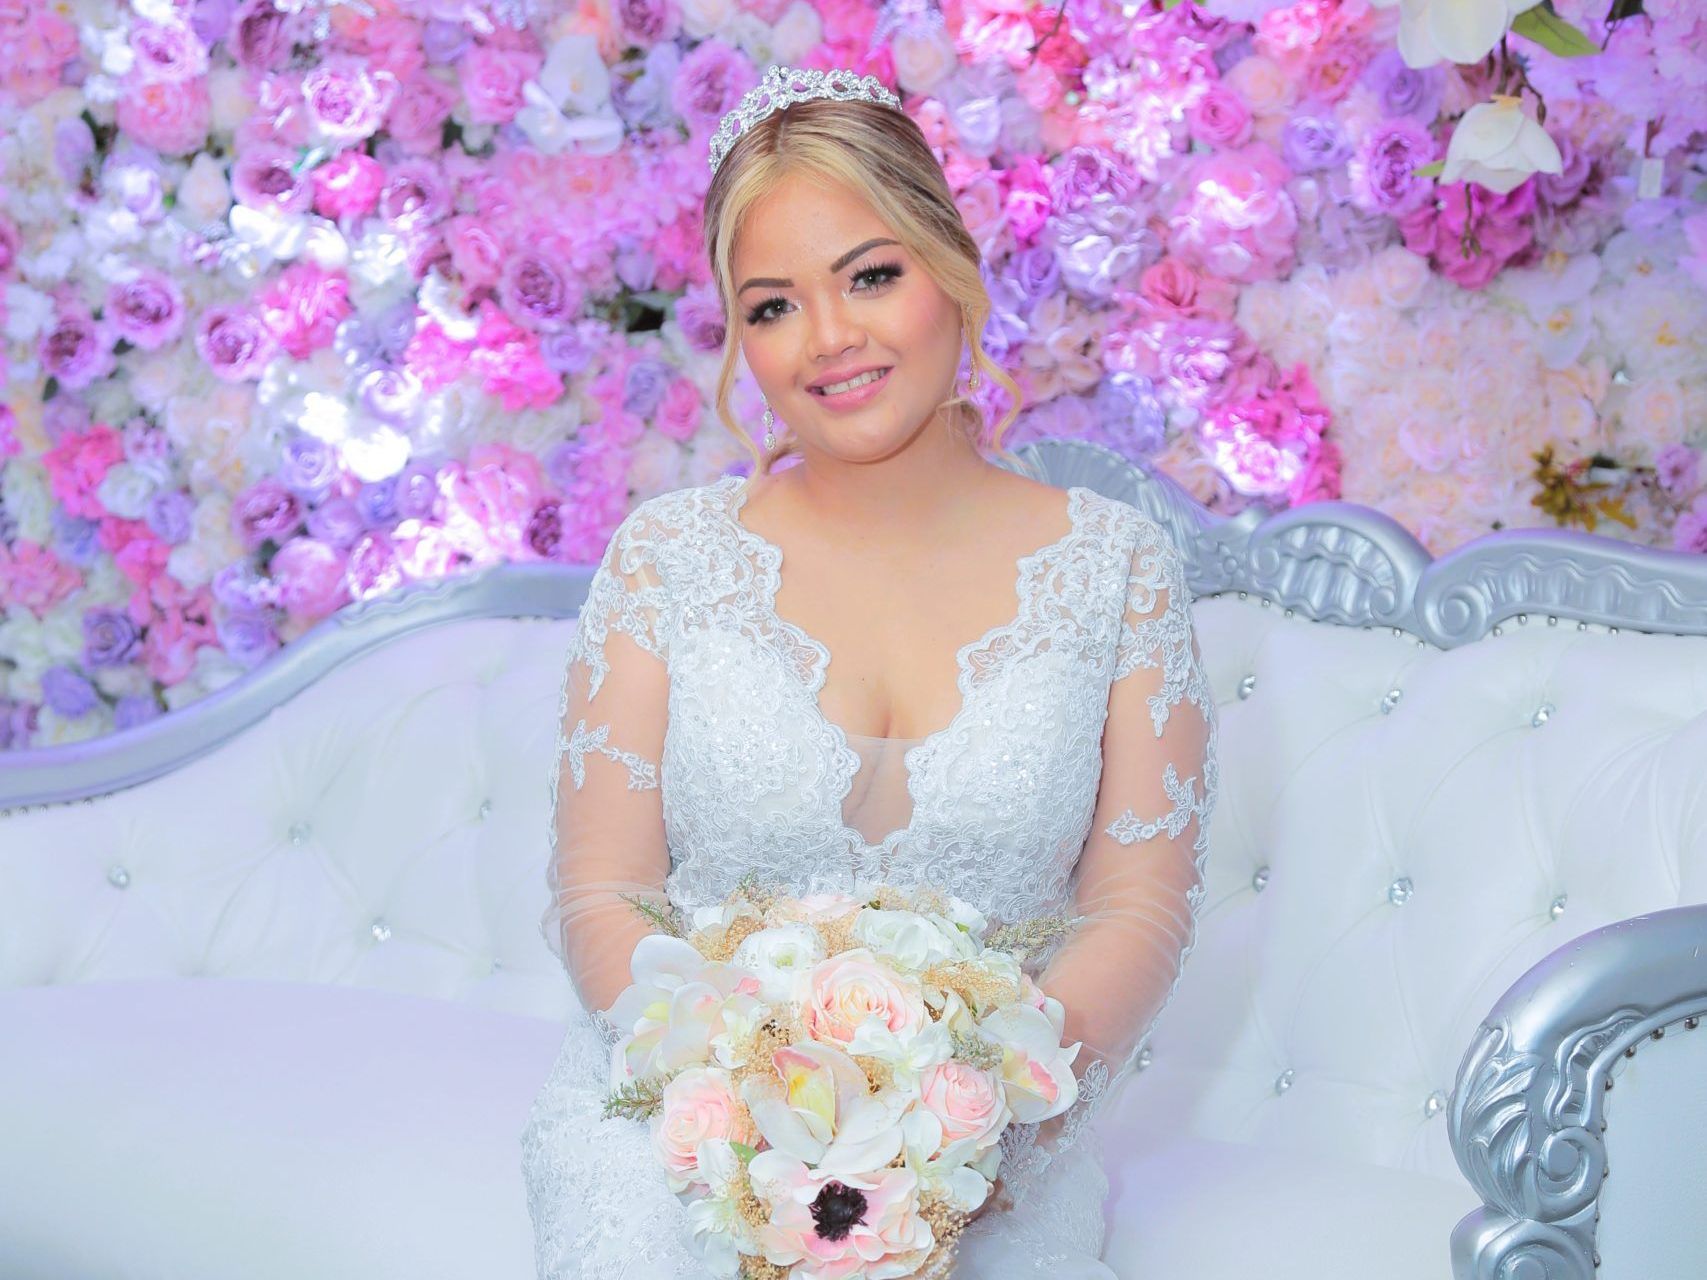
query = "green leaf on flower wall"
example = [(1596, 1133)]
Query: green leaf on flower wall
[(1553, 33)]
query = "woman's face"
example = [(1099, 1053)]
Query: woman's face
[(824, 291)]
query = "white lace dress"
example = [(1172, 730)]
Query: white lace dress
[(1077, 776)]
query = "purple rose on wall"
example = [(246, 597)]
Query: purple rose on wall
[(307, 466), (147, 309), (1383, 171), (644, 387), (346, 101), (211, 19), (390, 395), (1403, 90), (1131, 416), (248, 638), (1034, 272), (1313, 140), (265, 177), (75, 538), (376, 501), (76, 351), (647, 22), (644, 101), (545, 530), (134, 709), (537, 291), (700, 315), (417, 492), (110, 638), (239, 589), (68, 692), (169, 515), (1677, 467), (17, 724), (415, 195), (167, 51), (266, 510), (337, 522), (236, 345), (565, 351), (261, 39), (444, 41)]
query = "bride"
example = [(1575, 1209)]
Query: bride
[(893, 660)]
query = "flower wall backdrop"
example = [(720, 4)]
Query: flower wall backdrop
[(305, 301)]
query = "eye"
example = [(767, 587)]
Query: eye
[(879, 276)]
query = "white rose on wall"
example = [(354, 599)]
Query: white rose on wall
[(1497, 146)]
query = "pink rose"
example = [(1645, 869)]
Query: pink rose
[(418, 113), (32, 576), (1170, 289), (679, 412), (969, 1102), (1220, 119), (1237, 220), (310, 577), (492, 82), (848, 988), (475, 251), (348, 185), (1027, 204), (304, 306), (77, 465), (699, 1103), (171, 116), (346, 100)]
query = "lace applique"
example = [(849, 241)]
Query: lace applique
[(1128, 828), (642, 774)]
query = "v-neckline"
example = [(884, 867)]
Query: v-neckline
[(1024, 570)]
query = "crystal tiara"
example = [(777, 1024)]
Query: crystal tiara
[(784, 86)]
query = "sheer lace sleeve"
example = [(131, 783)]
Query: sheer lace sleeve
[(607, 822), (1139, 880)]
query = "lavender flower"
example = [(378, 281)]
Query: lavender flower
[(110, 638), (169, 515), (134, 709), (68, 692)]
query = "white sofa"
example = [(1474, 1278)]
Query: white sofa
[(273, 999)]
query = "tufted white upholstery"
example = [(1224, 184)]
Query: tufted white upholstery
[(1402, 831)]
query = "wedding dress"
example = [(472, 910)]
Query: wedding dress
[(1078, 776)]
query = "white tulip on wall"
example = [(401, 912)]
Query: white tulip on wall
[(1496, 146), (1452, 30)]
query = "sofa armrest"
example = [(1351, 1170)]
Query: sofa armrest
[(1528, 1117)]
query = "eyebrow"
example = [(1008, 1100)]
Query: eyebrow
[(776, 283)]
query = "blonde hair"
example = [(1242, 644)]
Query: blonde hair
[(881, 155)]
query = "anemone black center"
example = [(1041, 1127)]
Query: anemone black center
[(837, 1210)]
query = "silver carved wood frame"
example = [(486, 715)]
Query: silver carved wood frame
[(1527, 1110)]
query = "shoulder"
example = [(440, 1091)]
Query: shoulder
[(657, 523)]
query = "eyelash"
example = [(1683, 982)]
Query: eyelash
[(886, 272)]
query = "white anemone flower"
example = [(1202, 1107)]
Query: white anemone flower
[(1496, 146)]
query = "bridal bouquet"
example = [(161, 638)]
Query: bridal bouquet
[(828, 1078)]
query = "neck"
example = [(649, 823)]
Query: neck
[(923, 491)]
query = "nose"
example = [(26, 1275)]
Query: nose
[(833, 331)]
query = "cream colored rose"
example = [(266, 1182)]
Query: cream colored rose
[(848, 988), (24, 487), (204, 195), (233, 101), (969, 1103), (797, 32), (1399, 276), (702, 18), (1263, 84), (699, 1105), (923, 60)]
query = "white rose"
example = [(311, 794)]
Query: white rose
[(913, 941), (54, 730), (27, 312), (24, 488), (797, 32), (701, 18), (781, 957), (656, 466), (1399, 276), (1432, 31), (232, 100), (1496, 146), (751, 34), (205, 193), (125, 491)]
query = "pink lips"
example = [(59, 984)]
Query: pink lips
[(855, 398)]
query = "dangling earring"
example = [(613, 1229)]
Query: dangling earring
[(770, 433), (973, 381)]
